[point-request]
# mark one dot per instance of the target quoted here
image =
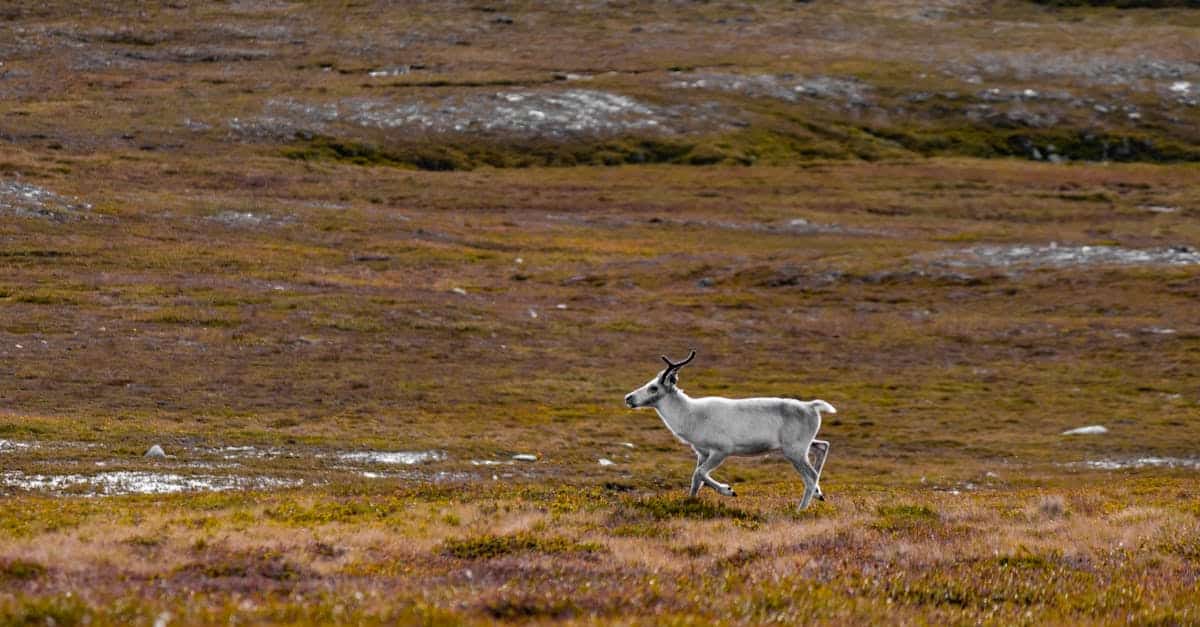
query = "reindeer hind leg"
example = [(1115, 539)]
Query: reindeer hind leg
[(820, 452), (799, 460)]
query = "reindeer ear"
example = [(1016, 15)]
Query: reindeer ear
[(673, 379)]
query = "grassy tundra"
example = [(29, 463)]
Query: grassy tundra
[(281, 239)]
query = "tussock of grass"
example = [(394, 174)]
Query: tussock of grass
[(1027, 561), (20, 569), (489, 546), (47, 297), (253, 564), (44, 610), (516, 607), (335, 512), (459, 155), (642, 530), (667, 508), (191, 317), (904, 517)]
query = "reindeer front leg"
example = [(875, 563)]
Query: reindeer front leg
[(697, 475), (714, 459)]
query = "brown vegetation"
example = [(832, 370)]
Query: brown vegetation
[(197, 252)]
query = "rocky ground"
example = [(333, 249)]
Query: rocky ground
[(459, 85)]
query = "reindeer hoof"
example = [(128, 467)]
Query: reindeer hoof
[(732, 493), (820, 497)]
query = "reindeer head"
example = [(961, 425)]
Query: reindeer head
[(660, 385)]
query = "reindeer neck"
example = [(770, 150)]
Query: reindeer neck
[(675, 409)]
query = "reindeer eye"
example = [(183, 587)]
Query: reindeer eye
[(654, 388)]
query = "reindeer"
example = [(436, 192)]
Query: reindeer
[(717, 427)]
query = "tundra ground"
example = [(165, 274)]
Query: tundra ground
[(256, 237)]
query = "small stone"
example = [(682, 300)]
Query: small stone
[(155, 452), (606, 462), (458, 290), (705, 282), (1088, 430)]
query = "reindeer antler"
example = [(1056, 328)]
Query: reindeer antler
[(674, 366)]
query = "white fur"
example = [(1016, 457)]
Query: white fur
[(717, 427)]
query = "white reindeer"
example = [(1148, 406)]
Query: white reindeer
[(718, 427)]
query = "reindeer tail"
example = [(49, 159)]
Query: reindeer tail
[(821, 405)]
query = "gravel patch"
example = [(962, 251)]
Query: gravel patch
[(25, 200), (787, 87), (140, 482), (7, 446), (407, 458), (541, 113), (1139, 462), (1057, 256), (247, 219), (1088, 69)]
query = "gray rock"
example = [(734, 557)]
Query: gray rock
[(155, 452)]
